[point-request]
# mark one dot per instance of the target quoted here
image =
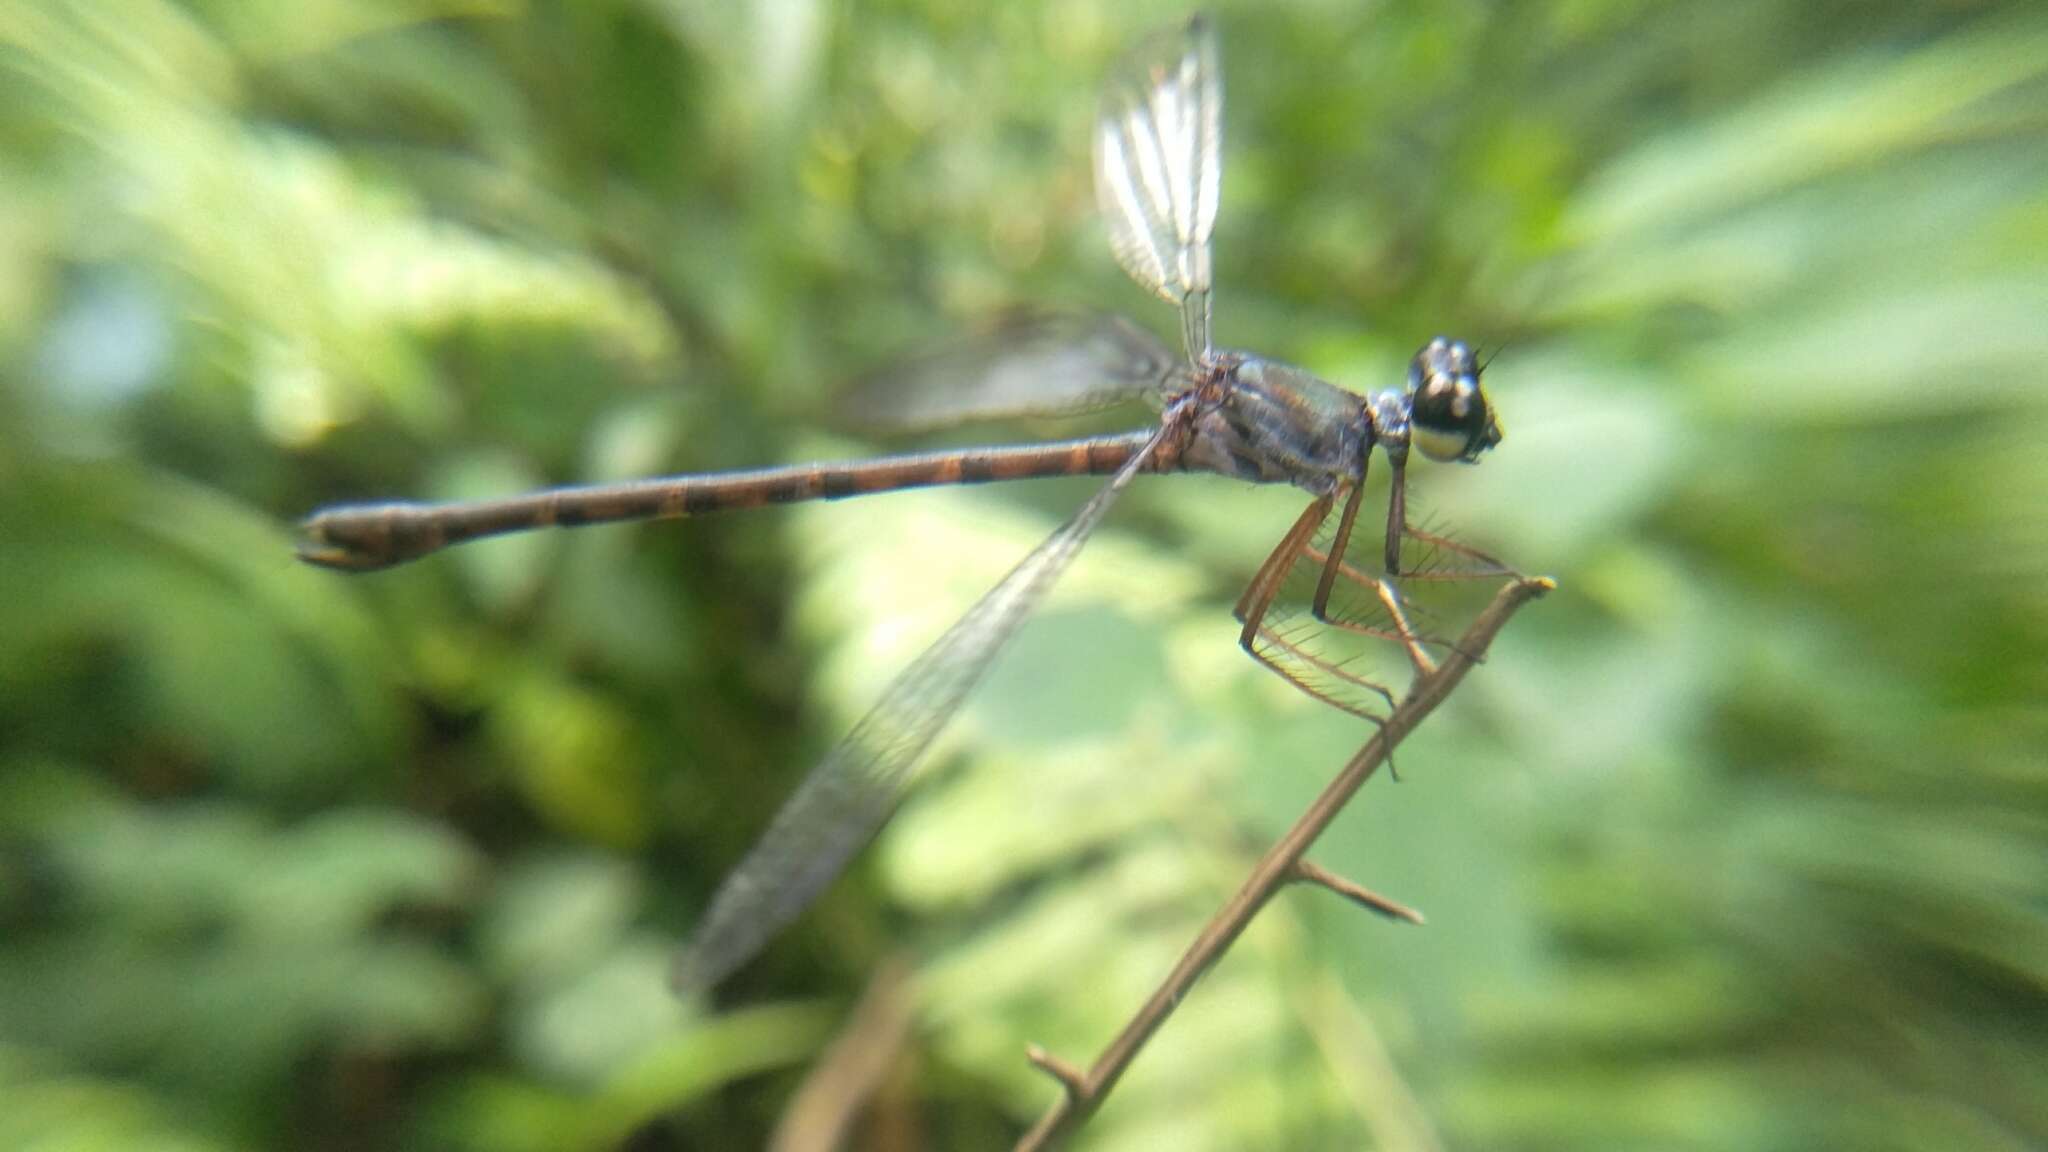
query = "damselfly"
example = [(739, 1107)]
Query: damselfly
[(1158, 172)]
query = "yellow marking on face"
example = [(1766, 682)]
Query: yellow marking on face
[(1436, 444)]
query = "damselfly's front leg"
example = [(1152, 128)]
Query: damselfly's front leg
[(1435, 558), (1476, 565)]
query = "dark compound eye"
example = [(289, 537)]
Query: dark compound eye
[(1449, 418)]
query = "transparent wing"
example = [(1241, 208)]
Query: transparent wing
[(1159, 168), (851, 794), (1028, 364)]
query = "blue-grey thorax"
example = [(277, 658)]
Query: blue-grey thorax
[(1273, 423)]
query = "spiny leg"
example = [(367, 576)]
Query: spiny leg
[(1258, 595), (1470, 564), (1334, 566), (1261, 641), (1389, 597), (1270, 638), (1397, 515), (1338, 544), (1484, 567), (1398, 528)]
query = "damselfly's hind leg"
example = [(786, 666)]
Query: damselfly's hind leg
[(1282, 642)]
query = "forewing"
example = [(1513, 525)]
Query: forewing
[(1159, 169), (1029, 364), (851, 794)]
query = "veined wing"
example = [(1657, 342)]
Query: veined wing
[(1159, 169), (850, 795), (1028, 364)]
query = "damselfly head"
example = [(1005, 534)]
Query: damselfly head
[(1449, 418)]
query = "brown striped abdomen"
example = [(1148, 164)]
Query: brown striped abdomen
[(364, 537)]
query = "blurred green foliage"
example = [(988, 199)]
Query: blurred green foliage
[(1737, 842)]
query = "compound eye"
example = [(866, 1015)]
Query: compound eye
[(1450, 419)]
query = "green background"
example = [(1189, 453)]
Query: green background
[(1737, 841)]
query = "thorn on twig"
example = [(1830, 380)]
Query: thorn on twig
[(1307, 873), (1069, 1076)]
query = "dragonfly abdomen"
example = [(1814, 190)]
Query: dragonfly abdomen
[(363, 537)]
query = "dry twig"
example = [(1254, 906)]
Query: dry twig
[(1081, 1094), (833, 1096)]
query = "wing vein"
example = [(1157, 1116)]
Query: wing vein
[(1158, 172), (852, 792)]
